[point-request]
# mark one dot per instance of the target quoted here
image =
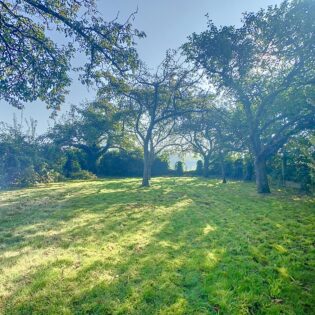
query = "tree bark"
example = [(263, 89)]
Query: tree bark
[(151, 160), (146, 166), (261, 176), (149, 171)]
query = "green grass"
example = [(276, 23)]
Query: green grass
[(182, 246)]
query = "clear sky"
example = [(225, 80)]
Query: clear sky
[(167, 24)]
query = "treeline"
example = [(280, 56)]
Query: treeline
[(27, 159), (293, 167)]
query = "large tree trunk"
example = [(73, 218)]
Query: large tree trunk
[(151, 160), (262, 185), (150, 171), (146, 166), (261, 176)]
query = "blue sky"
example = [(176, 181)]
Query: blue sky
[(167, 24)]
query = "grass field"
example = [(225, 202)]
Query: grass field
[(182, 246)]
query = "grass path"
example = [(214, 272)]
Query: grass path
[(183, 246)]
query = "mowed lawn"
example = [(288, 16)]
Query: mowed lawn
[(182, 246)]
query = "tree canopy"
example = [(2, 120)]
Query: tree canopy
[(268, 67), (33, 66)]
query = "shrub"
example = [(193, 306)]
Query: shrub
[(82, 174), (238, 169), (179, 168), (199, 168), (72, 165), (129, 164)]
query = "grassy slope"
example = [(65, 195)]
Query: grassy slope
[(184, 246)]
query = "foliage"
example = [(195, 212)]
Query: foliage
[(153, 101), (72, 165), (160, 165), (121, 164), (267, 66), (93, 128), (254, 119), (185, 246), (82, 174), (179, 168), (21, 161), (211, 133), (27, 159), (129, 163), (238, 172), (199, 168), (295, 163), (33, 66), (249, 169)]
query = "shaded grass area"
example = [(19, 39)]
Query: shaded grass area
[(182, 246)]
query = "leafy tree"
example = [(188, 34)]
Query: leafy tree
[(153, 102), (93, 128), (21, 161), (295, 162), (211, 134), (268, 67), (33, 66), (200, 137)]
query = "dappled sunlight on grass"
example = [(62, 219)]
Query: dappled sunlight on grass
[(283, 272), (208, 229), (182, 246)]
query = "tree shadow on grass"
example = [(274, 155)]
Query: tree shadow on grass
[(144, 277), (39, 225), (178, 247)]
